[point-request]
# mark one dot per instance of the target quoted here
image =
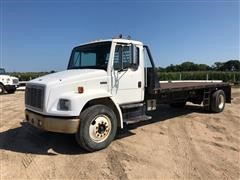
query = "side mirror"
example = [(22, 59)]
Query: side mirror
[(134, 57)]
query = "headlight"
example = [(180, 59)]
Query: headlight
[(64, 104)]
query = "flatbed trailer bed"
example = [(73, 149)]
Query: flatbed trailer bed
[(195, 92)]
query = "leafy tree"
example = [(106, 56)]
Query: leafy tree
[(171, 68), (217, 66), (160, 69), (189, 66), (232, 65), (203, 67)]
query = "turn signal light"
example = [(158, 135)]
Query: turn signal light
[(80, 89)]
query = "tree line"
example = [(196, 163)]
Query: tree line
[(231, 65), (228, 71)]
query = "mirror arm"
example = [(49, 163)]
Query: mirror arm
[(122, 69)]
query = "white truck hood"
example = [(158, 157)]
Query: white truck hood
[(65, 85), (69, 75), (5, 76)]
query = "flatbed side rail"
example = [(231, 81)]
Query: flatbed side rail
[(192, 92)]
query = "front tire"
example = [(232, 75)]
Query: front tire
[(98, 127), (2, 89), (11, 91)]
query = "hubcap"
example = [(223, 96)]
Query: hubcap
[(100, 128), (1, 90), (220, 101)]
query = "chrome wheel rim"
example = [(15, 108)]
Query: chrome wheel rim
[(100, 128), (220, 101), (1, 90)]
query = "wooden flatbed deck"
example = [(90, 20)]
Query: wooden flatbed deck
[(179, 86)]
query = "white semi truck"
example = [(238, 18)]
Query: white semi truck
[(110, 83), (7, 83)]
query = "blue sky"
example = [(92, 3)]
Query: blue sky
[(39, 35)]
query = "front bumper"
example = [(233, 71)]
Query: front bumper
[(53, 124), (10, 87)]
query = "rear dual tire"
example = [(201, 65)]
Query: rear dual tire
[(218, 100), (97, 129)]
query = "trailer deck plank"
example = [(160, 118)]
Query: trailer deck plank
[(178, 86)]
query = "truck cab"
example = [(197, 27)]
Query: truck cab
[(108, 83), (7, 83)]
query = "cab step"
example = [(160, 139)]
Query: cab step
[(133, 113), (129, 106), (136, 119)]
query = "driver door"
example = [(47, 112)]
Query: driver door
[(127, 80)]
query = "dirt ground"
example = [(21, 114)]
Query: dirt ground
[(176, 144)]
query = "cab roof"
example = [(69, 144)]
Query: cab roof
[(116, 40)]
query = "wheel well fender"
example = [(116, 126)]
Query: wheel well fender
[(109, 102)]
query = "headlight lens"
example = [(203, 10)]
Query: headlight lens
[(64, 104)]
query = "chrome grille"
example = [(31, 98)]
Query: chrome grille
[(34, 96), (15, 81)]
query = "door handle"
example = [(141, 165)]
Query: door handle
[(139, 84)]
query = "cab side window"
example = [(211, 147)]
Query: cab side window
[(123, 57)]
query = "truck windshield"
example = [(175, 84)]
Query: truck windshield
[(2, 71), (90, 56)]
